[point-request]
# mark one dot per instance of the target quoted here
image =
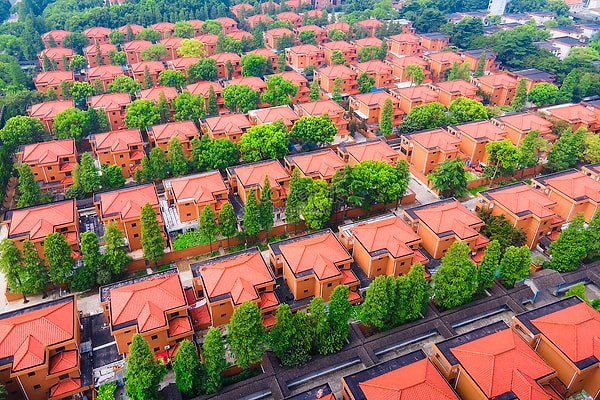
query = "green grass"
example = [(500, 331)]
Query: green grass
[(188, 239), (477, 189), (471, 176)]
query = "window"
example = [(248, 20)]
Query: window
[(134, 225), (305, 290), (59, 349), (156, 349), (154, 337), (330, 284), (120, 155), (31, 373), (49, 168), (37, 387), (63, 376), (175, 314), (8, 382), (223, 315), (136, 235)]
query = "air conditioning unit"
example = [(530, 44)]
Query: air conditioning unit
[(167, 347)]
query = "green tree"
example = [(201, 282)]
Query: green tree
[(464, 109), (124, 83), (117, 57), (455, 281), (188, 107), (251, 217), (570, 246), (315, 91), (317, 210), (317, 319), (503, 156), (591, 148), (279, 91), (369, 53), (20, 130), (418, 291), (97, 87), (191, 48), (426, 116), (520, 97), (178, 164), (163, 107), (116, 37), (211, 26), (86, 175), (449, 178), (141, 113), (337, 58), (531, 147), (240, 98), (183, 29), (203, 70), (227, 221), (365, 82), (339, 313), (155, 166), (296, 198), (171, 78), (85, 276), (229, 69), (28, 189), (76, 41), (515, 265), (36, 273), (579, 291), (480, 70), (253, 65), (207, 225), (336, 90), (592, 233), (264, 141), (212, 108), (566, 150), (246, 334), (11, 266), (144, 372), (307, 37), (374, 182), (209, 154), (281, 62), (148, 34), (386, 117), (415, 74), (58, 256), (266, 214), (115, 253), (148, 82), (336, 34), (70, 123), (65, 89), (313, 131), (152, 241), (78, 63), (213, 352), (188, 369), (486, 270), (497, 227), (380, 302), (290, 337), (51, 94), (543, 93), (111, 177)]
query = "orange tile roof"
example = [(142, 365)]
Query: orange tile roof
[(127, 202), (171, 42), (226, 21), (421, 92), (405, 37), (201, 187), (375, 98), (449, 216), (315, 28), (482, 130), (374, 66), (522, 198), (56, 53), (390, 234), (320, 107), (179, 326), (183, 130), (57, 34), (146, 302), (104, 48), (272, 114), (239, 35), (63, 361), (154, 93), (417, 381), (503, 362), (110, 101), (341, 45), (369, 23), (53, 77), (288, 15), (48, 152), (254, 82), (136, 45), (183, 62), (574, 330), (238, 7), (163, 26), (254, 174), (526, 122), (228, 123), (203, 87), (457, 86), (267, 300), (235, 275), (118, 140), (408, 60), (96, 32), (25, 335), (208, 39), (368, 41), (37, 222), (337, 71), (65, 386), (222, 58), (295, 77), (317, 254), (445, 57), (376, 150), (255, 19), (500, 79), (576, 185), (263, 51), (572, 113), (104, 72), (436, 139), (277, 32), (342, 26), (323, 163), (135, 28), (49, 109), (348, 278), (154, 67)]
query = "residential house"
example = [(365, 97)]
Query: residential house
[(97, 54), (241, 10), (154, 94), (366, 109), (272, 114), (564, 44), (369, 41), (36, 222), (322, 392), (154, 306), (97, 34), (474, 136), (573, 191), (47, 110), (374, 150), (57, 35), (52, 79), (500, 87), (272, 36), (409, 377), (57, 55), (319, 164), (228, 25), (244, 177), (227, 281), (123, 206), (40, 352), (230, 126), (240, 35), (449, 91), (295, 19), (399, 65), (444, 222), (210, 43), (370, 25), (533, 76), (348, 50), (172, 44), (378, 70), (114, 105), (197, 24), (493, 362), (329, 107), (255, 19), (255, 83), (124, 148), (440, 62), (185, 131), (165, 29), (524, 207), (592, 170), (191, 193), (473, 56), (224, 59), (434, 41), (320, 33), (518, 125), (342, 26), (412, 96), (564, 333), (327, 76), (405, 44), (134, 29), (137, 70), (134, 49), (576, 115), (268, 54), (51, 162), (303, 55), (297, 79), (106, 74), (314, 265), (182, 63), (424, 150), (383, 245), (203, 88)]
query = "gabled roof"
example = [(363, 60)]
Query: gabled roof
[(457, 86), (481, 130), (341, 45), (104, 72), (226, 21), (104, 48), (222, 58), (499, 79), (57, 34), (47, 152), (375, 99), (316, 253), (208, 39), (145, 301), (572, 113), (369, 23), (154, 93), (369, 41), (342, 26), (375, 150), (446, 217), (127, 202), (26, 333), (154, 67), (203, 87), (171, 42), (135, 28), (136, 45), (435, 139), (521, 199), (239, 35), (265, 52), (305, 49), (53, 77), (110, 101), (233, 275), (391, 235), (56, 53), (255, 19), (163, 26), (119, 140), (320, 107), (272, 114), (183, 62), (277, 32), (200, 187), (288, 15), (183, 130), (337, 71), (525, 122), (315, 28), (227, 123), (37, 222), (295, 77), (374, 66), (49, 109), (405, 37), (254, 174), (96, 32), (574, 184), (323, 163), (418, 93), (254, 82), (445, 57), (196, 23), (408, 60)]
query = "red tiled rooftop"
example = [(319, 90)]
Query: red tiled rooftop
[(183, 130), (228, 123), (104, 48), (48, 152), (96, 32), (154, 93), (63, 361), (171, 42), (295, 77), (208, 39), (272, 114), (348, 277), (179, 326), (263, 51), (436, 139), (203, 87), (57, 34), (315, 28), (408, 60), (342, 26), (340, 45), (255, 19), (417, 381), (422, 93), (337, 71), (184, 62), (53, 78), (374, 67), (457, 86), (135, 28), (254, 174), (576, 185), (127, 202), (49, 109), (222, 58), (370, 23), (163, 26), (526, 122), (390, 234), (26, 335), (118, 140), (320, 107), (110, 101), (65, 386), (288, 15), (323, 163), (201, 187), (572, 112), (405, 37), (377, 150), (154, 67), (136, 45), (305, 49), (56, 53), (368, 41), (226, 21), (482, 130), (445, 57), (523, 198), (104, 72), (239, 35), (277, 32), (500, 79), (37, 222), (449, 216), (146, 302), (254, 82), (267, 300), (316, 253), (375, 98)]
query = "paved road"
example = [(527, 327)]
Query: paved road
[(424, 194)]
